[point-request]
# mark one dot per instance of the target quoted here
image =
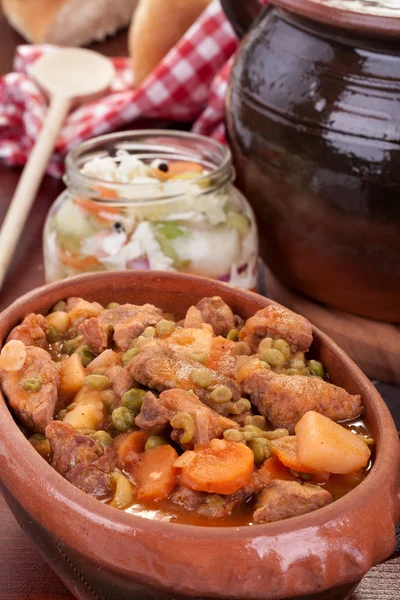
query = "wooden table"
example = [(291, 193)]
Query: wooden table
[(23, 573)]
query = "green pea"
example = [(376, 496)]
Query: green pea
[(256, 420), (32, 384), (233, 435), (265, 344), (149, 332), (53, 335), (154, 441), (86, 355), (233, 335), (260, 448), (184, 421), (221, 394), (165, 327), (97, 382), (198, 356), (276, 434), (108, 399), (61, 415), (202, 378), (70, 346), (273, 357), (252, 431), (128, 355), (169, 317), (59, 306), (113, 305), (123, 419), (41, 444), (240, 407), (283, 347), (103, 438), (305, 476), (265, 365), (294, 372), (133, 400), (70, 407), (242, 348), (316, 368)]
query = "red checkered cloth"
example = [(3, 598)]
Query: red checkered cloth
[(189, 85)]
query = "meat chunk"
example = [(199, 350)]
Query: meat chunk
[(278, 322), (35, 408), (218, 314), (32, 331), (69, 447), (162, 367), (81, 460), (284, 399), (93, 480), (215, 506), (156, 413), (285, 499), (124, 323), (121, 379), (95, 335)]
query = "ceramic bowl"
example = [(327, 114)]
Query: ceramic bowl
[(101, 553)]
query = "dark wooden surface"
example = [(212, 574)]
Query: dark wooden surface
[(23, 573)]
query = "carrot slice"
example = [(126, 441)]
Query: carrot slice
[(93, 208), (220, 467), (272, 468), (155, 475), (127, 443), (106, 193), (285, 448), (177, 167), (72, 260)]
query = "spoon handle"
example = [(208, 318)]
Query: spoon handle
[(30, 181)]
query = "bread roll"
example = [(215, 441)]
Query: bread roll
[(68, 22), (156, 27)]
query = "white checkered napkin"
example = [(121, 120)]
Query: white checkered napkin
[(188, 85)]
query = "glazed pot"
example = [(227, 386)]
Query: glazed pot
[(313, 120), (102, 553)]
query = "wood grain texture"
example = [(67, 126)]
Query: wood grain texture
[(23, 573), (373, 345)]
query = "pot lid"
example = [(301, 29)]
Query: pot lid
[(374, 17)]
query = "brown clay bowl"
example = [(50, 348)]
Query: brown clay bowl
[(105, 554)]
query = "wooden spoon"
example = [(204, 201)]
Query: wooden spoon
[(69, 76)]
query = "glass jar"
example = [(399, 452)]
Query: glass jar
[(124, 208)]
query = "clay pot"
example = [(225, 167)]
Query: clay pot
[(100, 552), (313, 122)]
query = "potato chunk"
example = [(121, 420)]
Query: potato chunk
[(324, 445), (88, 413), (72, 374)]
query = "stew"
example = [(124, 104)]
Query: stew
[(209, 420)]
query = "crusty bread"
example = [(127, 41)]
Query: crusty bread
[(68, 22), (156, 27)]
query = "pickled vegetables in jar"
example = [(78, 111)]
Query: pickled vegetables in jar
[(152, 200)]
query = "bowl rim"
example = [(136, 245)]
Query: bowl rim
[(77, 500)]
